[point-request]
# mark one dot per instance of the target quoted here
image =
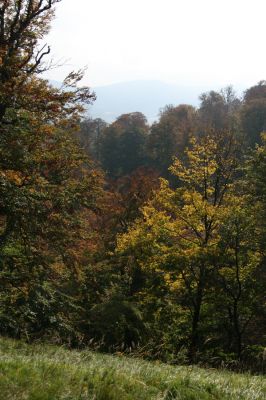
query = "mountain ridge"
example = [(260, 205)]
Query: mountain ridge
[(146, 96)]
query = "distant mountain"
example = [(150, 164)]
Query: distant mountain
[(147, 97)]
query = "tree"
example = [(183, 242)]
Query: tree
[(90, 135), (256, 92), (219, 110), (257, 186), (133, 191), (253, 113), (178, 235), (170, 136), (23, 24), (123, 145), (239, 265), (46, 181)]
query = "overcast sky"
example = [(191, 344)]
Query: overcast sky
[(189, 42)]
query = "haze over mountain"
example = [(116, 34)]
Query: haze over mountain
[(145, 96)]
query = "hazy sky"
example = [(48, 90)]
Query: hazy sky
[(190, 42)]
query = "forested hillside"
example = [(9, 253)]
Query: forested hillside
[(128, 237)]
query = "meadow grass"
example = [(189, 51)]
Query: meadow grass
[(43, 372)]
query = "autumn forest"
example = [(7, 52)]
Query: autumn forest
[(128, 237)]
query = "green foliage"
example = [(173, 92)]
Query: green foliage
[(116, 324), (170, 136), (90, 135), (253, 113), (219, 110), (46, 181), (256, 187), (198, 240), (122, 145)]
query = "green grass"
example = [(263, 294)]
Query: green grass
[(41, 372)]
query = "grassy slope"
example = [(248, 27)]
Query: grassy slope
[(50, 373)]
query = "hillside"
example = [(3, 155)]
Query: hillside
[(42, 372)]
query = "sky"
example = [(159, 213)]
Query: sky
[(186, 42)]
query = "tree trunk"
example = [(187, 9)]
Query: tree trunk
[(194, 341), (238, 333)]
